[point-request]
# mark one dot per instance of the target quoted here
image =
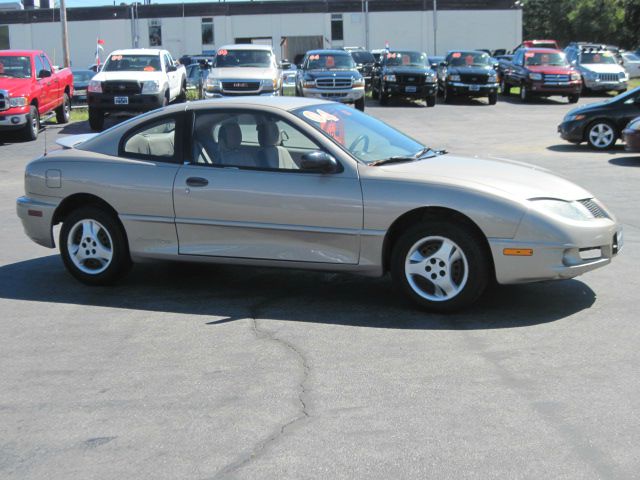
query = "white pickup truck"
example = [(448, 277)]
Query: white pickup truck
[(135, 80)]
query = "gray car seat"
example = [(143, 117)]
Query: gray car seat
[(271, 153), (231, 151)]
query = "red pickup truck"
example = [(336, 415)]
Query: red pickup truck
[(31, 88)]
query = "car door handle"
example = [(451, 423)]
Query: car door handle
[(197, 182)]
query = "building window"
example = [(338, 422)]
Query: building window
[(155, 33), (4, 37), (207, 31), (337, 31)]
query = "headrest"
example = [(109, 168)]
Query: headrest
[(230, 136), (268, 134)]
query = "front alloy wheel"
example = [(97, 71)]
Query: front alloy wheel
[(441, 266), (601, 135)]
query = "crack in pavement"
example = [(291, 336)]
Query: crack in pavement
[(303, 412)]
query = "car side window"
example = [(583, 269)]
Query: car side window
[(248, 140), (39, 65), (154, 141), (45, 63), (167, 60)]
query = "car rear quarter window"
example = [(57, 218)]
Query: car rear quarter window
[(153, 141)]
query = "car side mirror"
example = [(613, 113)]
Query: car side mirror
[(434, 66), (171, 68), (443, 64), (318, 161), (496, 65), (44, 74)]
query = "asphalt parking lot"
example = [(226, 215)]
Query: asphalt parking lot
[(229, 372)]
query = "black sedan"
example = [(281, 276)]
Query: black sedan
[(81, 78), (403, 73), (600, 124), (468, 74)]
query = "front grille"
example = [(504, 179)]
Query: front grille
[(473, 78), (4, 100), (122, 87), (608, 77), (333, 82), (334, 95), (411, 79), (556, 78), (241, 86), (596, 210)]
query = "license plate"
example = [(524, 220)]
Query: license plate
[(121, 100), (410, 89), (474, 88)]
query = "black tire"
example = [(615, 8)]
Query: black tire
[(446, 95), (165, 100), (375, 94), (32, 128), (115, 239), (384, 98), (574, 98), (431, 100), (63, 112), (607, 141), (493, 98), (505, 89), (524, 94), (359, 104), (96, 119), (471, 278), (182, 96)]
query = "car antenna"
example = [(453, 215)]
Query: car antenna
[(45, 141)]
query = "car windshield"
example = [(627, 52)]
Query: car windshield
[(545, 44), (132, 63), (330, 61), (632, 57), (598, 58), (366, 138), (82, 76), (244, 58), (407, 59), (16, 67), (539, 59), (469, 59), (361, 56)]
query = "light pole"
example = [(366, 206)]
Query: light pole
[(65, 39), (435, 27)]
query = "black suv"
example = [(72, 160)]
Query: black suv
[(469, 74), (365, 63), (404, 73)]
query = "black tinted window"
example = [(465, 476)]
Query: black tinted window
[(363, 57)]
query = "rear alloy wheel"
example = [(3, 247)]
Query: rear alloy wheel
[(93, 246), (440, 265), (601, 135), (63, 112), (32, 128)]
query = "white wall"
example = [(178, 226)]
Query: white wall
[(412, 30)]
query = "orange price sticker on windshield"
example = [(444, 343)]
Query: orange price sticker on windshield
[(597, 57), (222, 52), (529, 54), (116, 58), (330, 62), (149, 68), (468, 59), (457, 55), (405, 60), (335, 130)]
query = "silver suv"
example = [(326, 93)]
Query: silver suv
[(598, 66)]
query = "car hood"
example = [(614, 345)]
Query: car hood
[(519, 181), (550, 70), (313, 74), (132, 76), (600, 68), (409, 70), (243, 73), (605, 104), (471, 70), (17, 87)]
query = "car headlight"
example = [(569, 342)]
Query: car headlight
[(622, 75), (390, 78), (213, 84), (591, 75), (454, 78), (493, 78), (95, 86), (575, 76), (150, 86), (358, 82), (18, 101), (535, 76), (572, 118), (634, 126), (308, 83), (431, 78), (269, 83), (561, 208)]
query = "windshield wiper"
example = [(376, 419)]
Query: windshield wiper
[(398, 159), (406, 158)]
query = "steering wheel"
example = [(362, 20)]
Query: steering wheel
[(364, 139)]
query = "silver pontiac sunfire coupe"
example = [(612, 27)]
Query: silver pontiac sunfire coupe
[(305, 183)]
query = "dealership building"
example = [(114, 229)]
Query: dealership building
[(291, 26)]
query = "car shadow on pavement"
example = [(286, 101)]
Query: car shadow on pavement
[(515, 100), (229, 293), (626, 161), (572, 147)]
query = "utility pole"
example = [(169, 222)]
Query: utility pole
[(435, 27), (65, 37)]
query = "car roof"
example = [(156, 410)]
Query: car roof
[(138, 51), (246, 46), (541, 50), (19, 53), (283, 103), (466, 51), (323, 50)]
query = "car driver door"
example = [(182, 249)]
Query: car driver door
[(245, 195)]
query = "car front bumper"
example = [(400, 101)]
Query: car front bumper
[(472, 90), (572, 131), (337, 95), (600, 86), (36, 216), (417, 91), (577, 249), (136, 102), (12, 121), (221, 94), (560, 88)]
